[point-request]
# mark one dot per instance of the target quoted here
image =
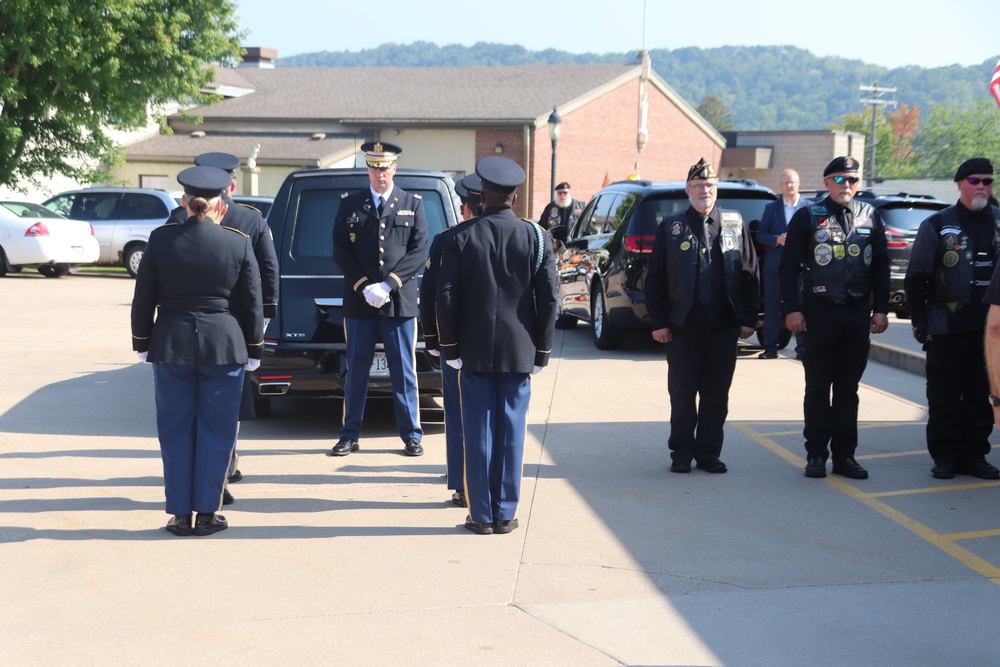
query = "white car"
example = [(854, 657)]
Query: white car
[(33, 236)]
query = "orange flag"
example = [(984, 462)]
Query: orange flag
[(607, 180)]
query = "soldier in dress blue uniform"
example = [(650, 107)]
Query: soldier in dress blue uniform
[(248, 220), (469, 191), (201, 283), (702, 290), (496, 309), (380, 243), (836, 250)]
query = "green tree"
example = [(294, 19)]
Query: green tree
[(894, 134), (715, 111), (949, 136), (73, 70)]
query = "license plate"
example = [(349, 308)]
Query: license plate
[(380, 366), (78, 249)]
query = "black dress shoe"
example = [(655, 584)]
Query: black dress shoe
[(504, 527), (413, 448), (849, 468), (458, 498), (680, 466), (235, 477), (712, 465), (816, 467), (206, 524), (227, 498), (943, 470), (478, 528), (978, 468), (344, 447), (768, 354), (180, 525)]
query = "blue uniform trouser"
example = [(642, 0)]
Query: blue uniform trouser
[(399, 335), (494, 417), (455, 456), (197, 410)]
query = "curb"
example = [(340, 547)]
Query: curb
[(901, 358)]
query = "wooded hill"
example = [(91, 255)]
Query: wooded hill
[(765, 87)]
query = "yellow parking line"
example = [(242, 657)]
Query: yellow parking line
[(934, 489), (972, 534), (892, 455), (945, 543)]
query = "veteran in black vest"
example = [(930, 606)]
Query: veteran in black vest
[(496, 311), (197, 316), (469, 191), (249, 221), (701, 293), (380, 243), (836, 247), (951, 263)]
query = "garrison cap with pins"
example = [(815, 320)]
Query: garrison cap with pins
[(207, 182), (380, 154), (842, 164), (701, 171), (223, 161), (500, 174)]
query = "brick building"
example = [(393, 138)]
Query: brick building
[(445, 118)]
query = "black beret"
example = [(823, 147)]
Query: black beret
[(841, 164), (500, 174), (563, 186), (380, 154), (207, 182), (975, 165), (701, 171), (473, 184), (223, 161)]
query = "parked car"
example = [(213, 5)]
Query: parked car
[(901, 214), (32, 236), (304, 346), (122, 218), (262, 204), (603, 259)]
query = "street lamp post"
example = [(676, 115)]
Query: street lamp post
[(555, 123)]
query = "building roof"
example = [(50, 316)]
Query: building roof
[(406, 95), (274, 148)]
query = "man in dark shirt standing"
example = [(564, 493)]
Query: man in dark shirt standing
[(837, 246), (951, 263), (563, 209), (701, 292)]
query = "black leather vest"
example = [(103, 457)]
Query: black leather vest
[(683, 249), (837, 264), (955, 261)]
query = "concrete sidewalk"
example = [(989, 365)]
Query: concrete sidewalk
[(363, 560)]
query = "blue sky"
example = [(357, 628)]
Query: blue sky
[(904, 32)]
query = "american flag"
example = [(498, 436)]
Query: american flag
[(995, 84)]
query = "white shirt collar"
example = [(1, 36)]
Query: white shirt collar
[(376, 195)]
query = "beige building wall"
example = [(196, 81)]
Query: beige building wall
[(807, 152), (163, 175), (436, 149)]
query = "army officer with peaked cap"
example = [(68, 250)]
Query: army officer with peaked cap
[(197, 317), (380, 243), (496, 309)]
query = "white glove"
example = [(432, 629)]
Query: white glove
[(141, 356), (377, 295), (455, 363), (267, 320), (434, 353), (536, 370), (252, 364)]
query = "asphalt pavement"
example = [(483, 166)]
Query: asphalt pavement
[(363, 560)]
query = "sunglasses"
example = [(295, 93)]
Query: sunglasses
[(840, 180), (976, 181)]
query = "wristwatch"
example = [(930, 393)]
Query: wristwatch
[(994, 401)]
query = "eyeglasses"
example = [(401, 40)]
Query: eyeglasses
[(976, 181), (840, 180)]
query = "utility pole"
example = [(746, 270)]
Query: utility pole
[(876, 101)]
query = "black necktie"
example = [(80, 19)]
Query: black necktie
[(380, 206), (705, 265)]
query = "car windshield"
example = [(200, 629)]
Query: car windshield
[(907, 217), (28, 210), (653, 210)]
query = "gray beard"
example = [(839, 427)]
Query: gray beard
[(979, 203)]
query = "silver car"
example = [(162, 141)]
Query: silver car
[(122, 218)]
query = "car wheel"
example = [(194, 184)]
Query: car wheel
[(903, 313), (3, 263), (605, 338), (133, 256), (51, 271)]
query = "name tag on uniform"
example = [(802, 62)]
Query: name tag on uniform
[(404, 212)]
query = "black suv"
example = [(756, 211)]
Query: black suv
[(602, 260), (304, 346), (901, 214)]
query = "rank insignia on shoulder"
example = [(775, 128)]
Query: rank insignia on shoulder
[(418, 196), (354, 237), (428, 262), (344, 195)]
